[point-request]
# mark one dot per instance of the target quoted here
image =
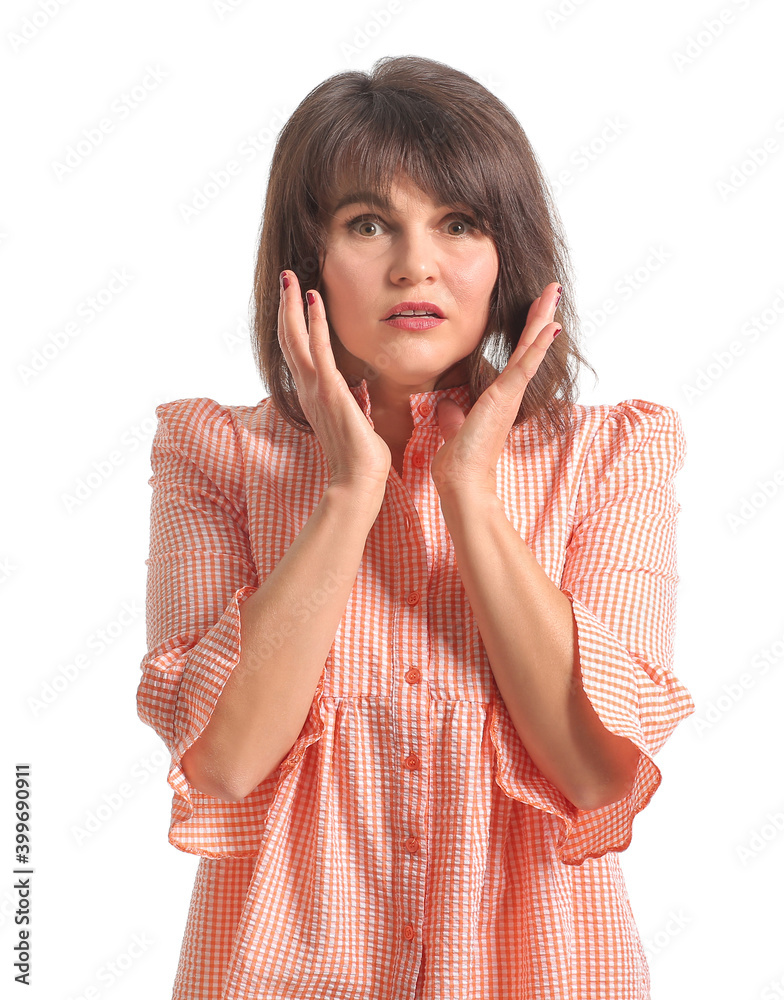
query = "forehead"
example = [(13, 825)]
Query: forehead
[(393, 198)]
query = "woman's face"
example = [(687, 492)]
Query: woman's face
[(412, 250)]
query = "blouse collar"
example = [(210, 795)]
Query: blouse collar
[(423, 404)]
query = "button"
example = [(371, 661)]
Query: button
[(412, 762), (414, 676), (425, 409), (412, 845), (418, 460), (413, 598), (408, 932)]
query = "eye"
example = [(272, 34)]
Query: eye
[(365, 225), (462, 223)]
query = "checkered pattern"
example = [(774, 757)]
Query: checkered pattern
[(408, 846)]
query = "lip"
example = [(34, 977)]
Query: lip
[(414, 322), (430, 306)]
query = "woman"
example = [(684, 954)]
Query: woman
[(410, 617)]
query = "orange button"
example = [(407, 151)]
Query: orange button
[(425, 409), (413, 598), (408, 932), (414, 676), (412, 762), (418, 460), (412, 845)]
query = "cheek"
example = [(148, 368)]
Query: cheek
[(342, 276), (476, 278)]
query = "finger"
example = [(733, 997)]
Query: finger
[(282, 339), (450, 418), (548, 301), (540, 313), (325, 368), (509, 388), (543, 307), (292, 332), (319, 343), (531, 358)]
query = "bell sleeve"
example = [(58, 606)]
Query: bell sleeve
[(200, 571), (620, 576)]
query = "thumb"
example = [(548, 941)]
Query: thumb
[(450, 418)]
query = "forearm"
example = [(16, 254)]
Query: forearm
[(528, 630), (287, 629)]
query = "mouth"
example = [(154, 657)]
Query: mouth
[(408, 310)]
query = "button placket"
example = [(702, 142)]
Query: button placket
[(414, 729), (410, 516), (414, 563)]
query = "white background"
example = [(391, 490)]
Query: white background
[(668, 99)]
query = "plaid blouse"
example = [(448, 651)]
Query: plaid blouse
[(407, 846)]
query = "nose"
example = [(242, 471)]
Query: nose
[(413, 258)]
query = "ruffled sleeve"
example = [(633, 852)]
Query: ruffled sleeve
[(199, 573), (620, 576)]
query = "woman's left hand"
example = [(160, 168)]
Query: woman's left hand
[(472, 445)]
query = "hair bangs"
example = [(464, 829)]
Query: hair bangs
[(376, 143)]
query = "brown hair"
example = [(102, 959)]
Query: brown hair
[(458, 143)]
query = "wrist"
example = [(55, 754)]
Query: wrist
[(468, 503), (356, 497)]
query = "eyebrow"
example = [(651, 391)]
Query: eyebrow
[(369, 197), (378, 200)]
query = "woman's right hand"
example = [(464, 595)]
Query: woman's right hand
[(357, 456)]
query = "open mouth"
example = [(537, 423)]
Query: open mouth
[(415, 309), (413, 312)]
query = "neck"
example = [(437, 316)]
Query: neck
[(390, 403)]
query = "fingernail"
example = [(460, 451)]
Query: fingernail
[(284, 280), (559, 296), (311, 298), (557, 332)]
